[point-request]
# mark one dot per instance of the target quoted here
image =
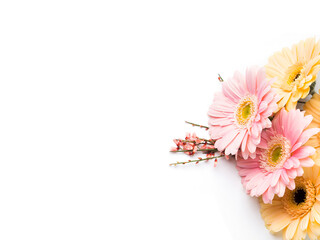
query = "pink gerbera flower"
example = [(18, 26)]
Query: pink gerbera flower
[(240, 112), (280, 156)]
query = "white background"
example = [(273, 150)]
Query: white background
[(92, 94)]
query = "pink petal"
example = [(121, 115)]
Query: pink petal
[(281, 190), (275, 178), (284, 177), (306, 162), (304, 152), (234, 146), (292, 173), (305, 137), (251, 80), (288, 164), (299, 171), (291, 185), (223, 142)]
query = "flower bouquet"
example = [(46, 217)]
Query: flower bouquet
[(264, 120)]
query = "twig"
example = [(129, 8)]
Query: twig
[(197, 125), (220, 78), (196, 160), (202, 150)]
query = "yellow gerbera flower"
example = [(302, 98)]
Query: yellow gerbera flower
[(312, 107), (295, 70), (297, 213)]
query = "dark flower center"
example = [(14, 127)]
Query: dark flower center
[(299, 196), (299, 202), (296, 77)]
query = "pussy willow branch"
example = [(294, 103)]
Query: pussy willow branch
[(202, 150), (196, 160), (197, 125)]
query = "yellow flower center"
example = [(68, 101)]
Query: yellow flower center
[(299, 201), (292, 76), (294, 72), (246, 109), (276, 153)]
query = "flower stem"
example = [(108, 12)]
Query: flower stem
[(196, 160), (312, 86), (197, 125)]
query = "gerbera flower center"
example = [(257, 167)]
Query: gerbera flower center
[(276, 153), (293, 73), (299, 201), (299, 196), (245, 111)]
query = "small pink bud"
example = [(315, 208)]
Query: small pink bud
[(215, 163), (173, 149)]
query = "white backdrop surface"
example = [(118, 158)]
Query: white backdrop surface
[(92, 94)]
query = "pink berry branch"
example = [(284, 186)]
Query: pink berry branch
[(194, 145)]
